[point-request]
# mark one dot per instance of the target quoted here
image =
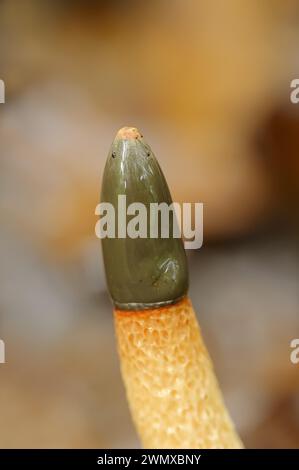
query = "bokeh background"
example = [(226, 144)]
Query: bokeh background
[(208, 83)]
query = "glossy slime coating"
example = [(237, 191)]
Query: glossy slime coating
[(142, 272)]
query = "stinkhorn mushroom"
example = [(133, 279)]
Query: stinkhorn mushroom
[(173, 394)]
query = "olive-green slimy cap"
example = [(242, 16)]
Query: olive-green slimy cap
[(141, 272)]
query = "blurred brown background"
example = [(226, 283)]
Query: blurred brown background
[(208, 83)]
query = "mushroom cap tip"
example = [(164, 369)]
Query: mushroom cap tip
[(128, 132)]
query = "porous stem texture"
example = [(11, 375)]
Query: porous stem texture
[(171, 387)]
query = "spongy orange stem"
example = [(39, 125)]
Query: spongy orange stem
[(171, 387)]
